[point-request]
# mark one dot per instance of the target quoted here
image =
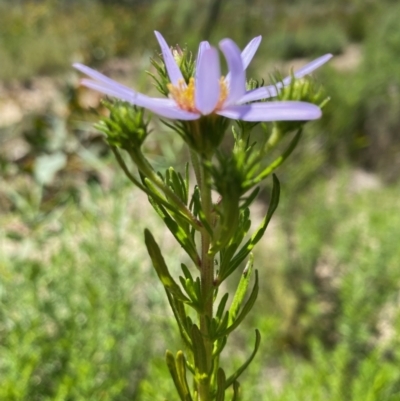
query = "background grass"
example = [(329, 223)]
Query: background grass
[(81, 313)]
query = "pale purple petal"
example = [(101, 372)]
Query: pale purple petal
[(237, 82), (272, 111), (308, 68), (93, 73), (250, 50), (247, 54), (208, 73), (97, 76), (163, 107), (174, 73), (130, 96), (107, 85), (202, 46), (173, 112), (109, 90), (264, 92)]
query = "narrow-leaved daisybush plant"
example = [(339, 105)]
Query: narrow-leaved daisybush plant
[(201, 105)]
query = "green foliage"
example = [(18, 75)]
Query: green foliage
[(331, 295), (36, 37), (73, 322), (334, 380), (310, 41), (361, 124)]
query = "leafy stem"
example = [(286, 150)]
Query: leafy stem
[(207, 284)]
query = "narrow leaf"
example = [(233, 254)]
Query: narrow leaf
[(169, 357), (275, 164), (181, 370), (190, 288), (232, 379), (183, 238), (220, 396), (244, 311), (228, 253), (250, 199), (221, 306), (199, 211), (221, 342), (247, 248), (241, 290), (199, 351), (236, 391), (161, 267), (186, 272), (222, 327), (187, 183), (178, 310), (176, 183)]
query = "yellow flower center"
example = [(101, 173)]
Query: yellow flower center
[(184, 95)]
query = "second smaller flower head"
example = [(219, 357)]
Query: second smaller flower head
[(210, 93)]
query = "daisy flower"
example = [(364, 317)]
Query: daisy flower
[(210, 93)]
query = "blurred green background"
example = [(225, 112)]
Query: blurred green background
[(82, 316)]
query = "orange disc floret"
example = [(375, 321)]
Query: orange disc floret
[(223, 94), (184, 95)]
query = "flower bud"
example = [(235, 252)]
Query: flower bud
[(303, 90), (125, 127)]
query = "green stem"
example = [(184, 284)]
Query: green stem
[(207, 287), (196, 166), (145, 167)]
